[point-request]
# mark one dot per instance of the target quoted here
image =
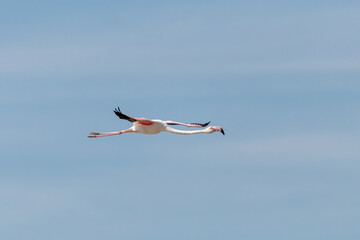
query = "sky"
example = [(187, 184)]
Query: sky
[(281, 78)]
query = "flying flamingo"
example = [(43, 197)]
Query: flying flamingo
[(147, 126)]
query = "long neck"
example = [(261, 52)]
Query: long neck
[(181, 132)]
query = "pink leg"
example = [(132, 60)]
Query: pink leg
[(97, 134)]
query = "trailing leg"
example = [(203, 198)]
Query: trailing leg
[(106, 134)]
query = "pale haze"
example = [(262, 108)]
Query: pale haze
[(281, 78)]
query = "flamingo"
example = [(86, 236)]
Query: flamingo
[(147, 126)]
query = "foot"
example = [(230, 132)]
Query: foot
[(94, 135)]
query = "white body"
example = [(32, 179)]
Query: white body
[(157, 127)]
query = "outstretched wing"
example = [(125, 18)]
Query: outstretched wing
[(201, 124), (123, 116), (187, 124)]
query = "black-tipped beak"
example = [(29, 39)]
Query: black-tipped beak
[(222, 131)]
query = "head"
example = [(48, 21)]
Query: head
[(217, 129)]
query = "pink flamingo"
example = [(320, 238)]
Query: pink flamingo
[(147, 126)]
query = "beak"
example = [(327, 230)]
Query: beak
[(222, 131)]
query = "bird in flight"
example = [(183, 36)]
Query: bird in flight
[(147, 126)]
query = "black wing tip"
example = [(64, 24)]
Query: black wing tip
[(205, 124), (201, 124), (118, 113)]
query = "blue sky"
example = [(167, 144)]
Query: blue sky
[(281, 78)]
